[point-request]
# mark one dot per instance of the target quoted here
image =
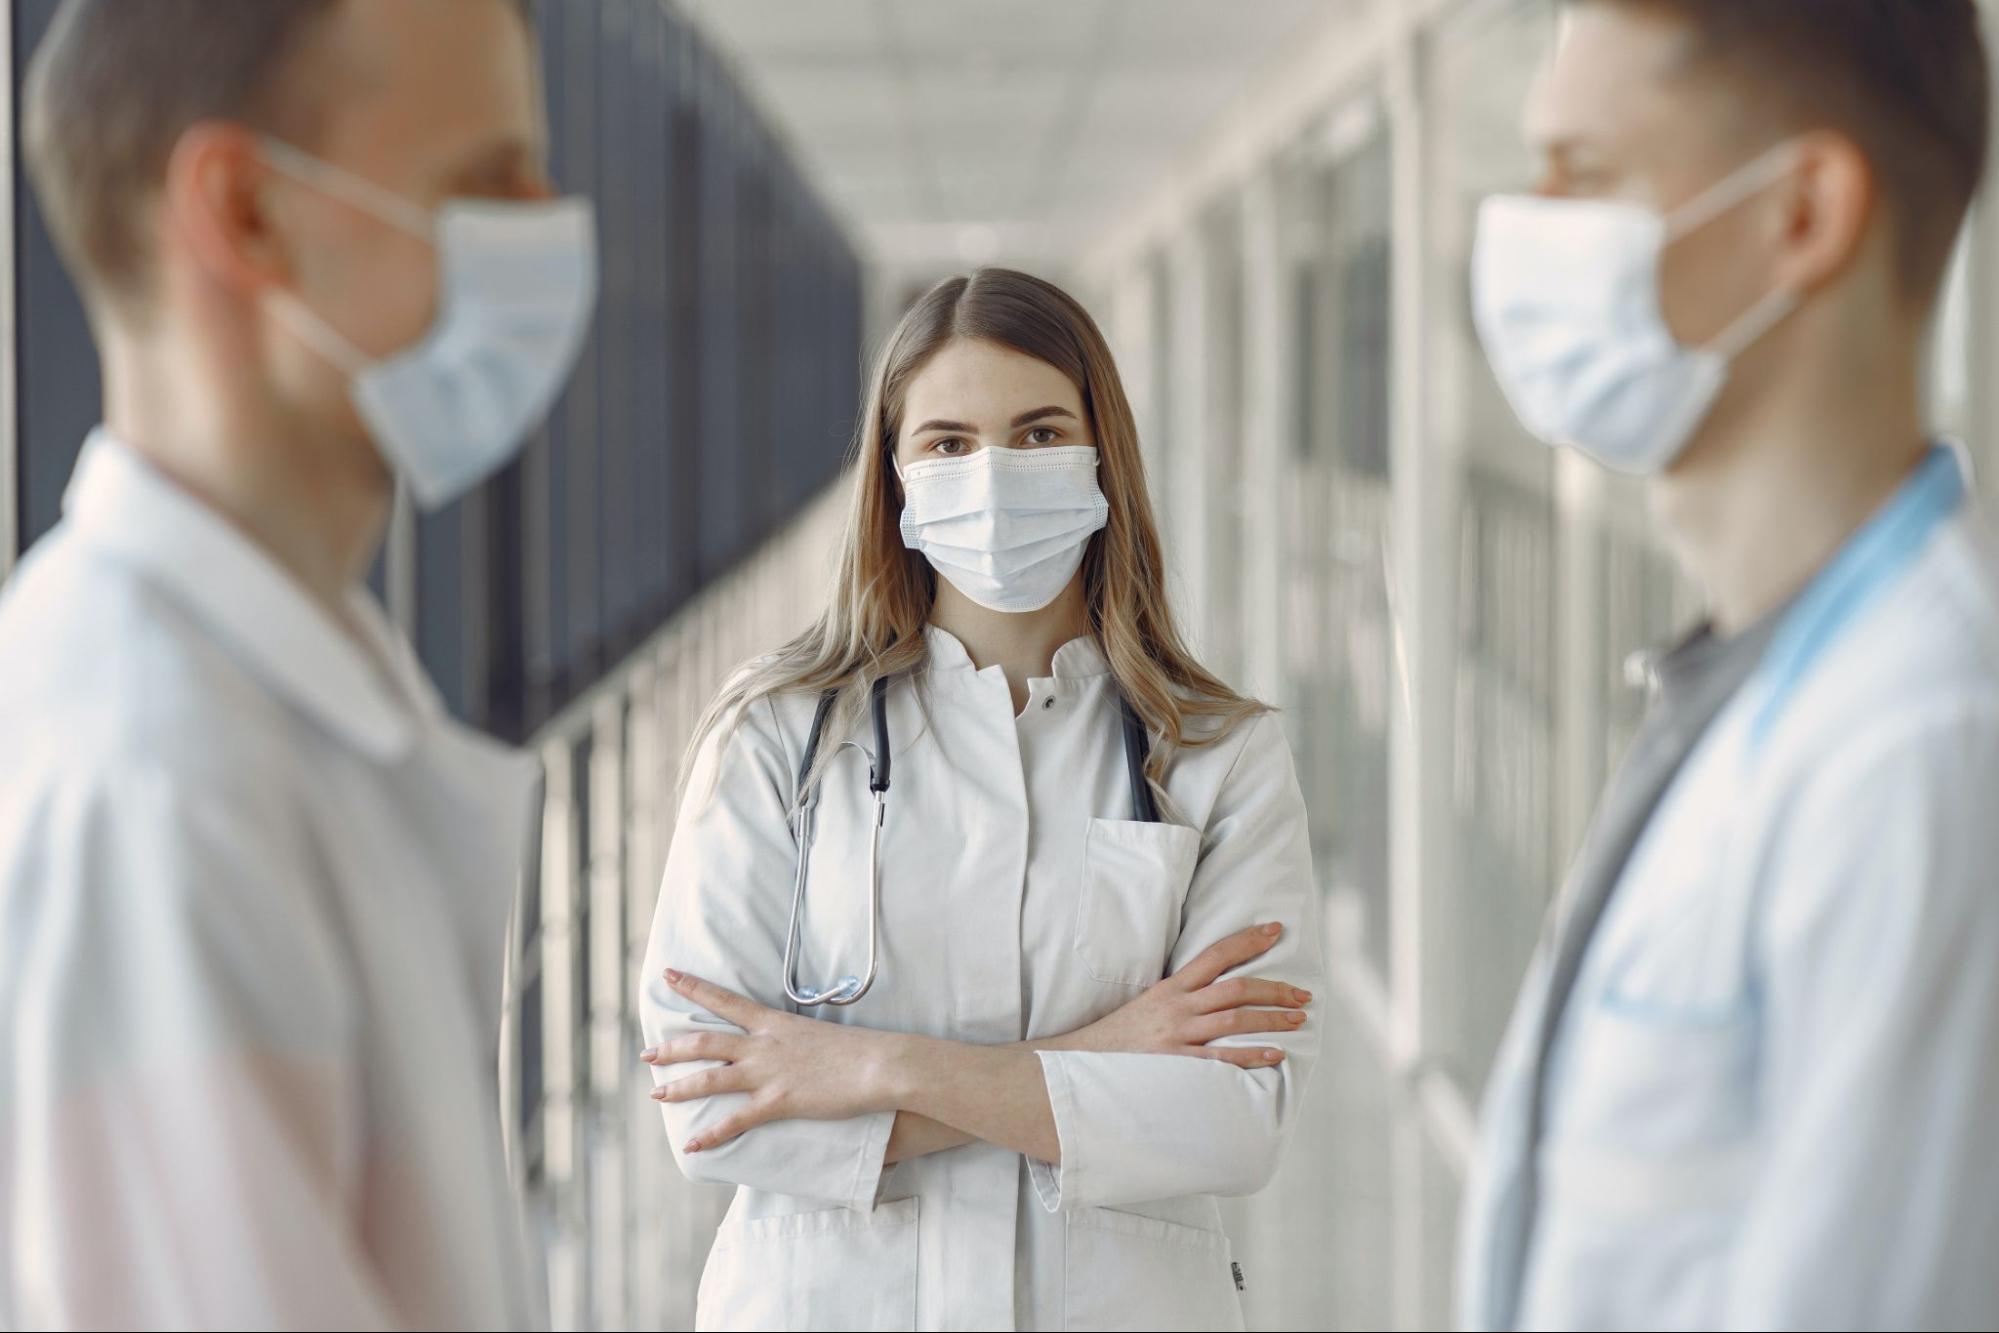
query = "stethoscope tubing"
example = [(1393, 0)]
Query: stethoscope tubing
[(849, 989)]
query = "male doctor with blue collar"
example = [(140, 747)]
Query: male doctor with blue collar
[(253, 880), (1753, 1077)]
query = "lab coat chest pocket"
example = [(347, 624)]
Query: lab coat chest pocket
[(832, 1268), (1660, 1108), (1667, 1036), (1645, 1172), (1135, 878)]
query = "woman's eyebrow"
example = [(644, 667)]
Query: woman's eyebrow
[(1038, 414)]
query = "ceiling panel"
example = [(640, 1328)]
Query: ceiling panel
[(952, 132)]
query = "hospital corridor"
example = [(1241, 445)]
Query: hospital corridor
[(1306, 230)]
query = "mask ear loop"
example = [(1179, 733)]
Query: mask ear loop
[(1739, 186), (317, 334), (1750, 326), (356, 191), (1733, 190), (378, 202)]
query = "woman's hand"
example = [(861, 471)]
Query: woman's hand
[(1186, 1011), (794, 1068), (790, 1067)]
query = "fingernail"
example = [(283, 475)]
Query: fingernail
[(693, 1145), (645, 1056), (1296, 1019), (1272, 928), (672, 977), (657, 1094), (1273, 1056), (1304, 996)]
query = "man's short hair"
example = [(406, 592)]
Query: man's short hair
[(1906, 80), (115, 83)]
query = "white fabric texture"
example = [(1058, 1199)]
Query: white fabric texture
[(253, 892)]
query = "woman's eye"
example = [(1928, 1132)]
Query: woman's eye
[(951, 448), (1043, 435)]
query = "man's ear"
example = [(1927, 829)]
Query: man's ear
[(1829, 204), (217, 204)]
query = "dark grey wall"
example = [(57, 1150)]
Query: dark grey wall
[(56, 367)]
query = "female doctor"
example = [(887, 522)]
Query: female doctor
[(996, 1069)]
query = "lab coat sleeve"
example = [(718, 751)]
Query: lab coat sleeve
[(723, 909), (1876, 1202), (184, 1150), (1138, 1127)]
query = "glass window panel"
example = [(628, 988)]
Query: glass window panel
[(1484, 911), (1341, 641)]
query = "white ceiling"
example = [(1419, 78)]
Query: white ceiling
[(957, 132)]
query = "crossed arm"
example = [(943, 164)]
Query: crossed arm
[(946, 1093)]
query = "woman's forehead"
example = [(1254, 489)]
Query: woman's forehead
[(973, 379)]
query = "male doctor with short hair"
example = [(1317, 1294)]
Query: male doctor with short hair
[(253, 881), (1751, 1080)]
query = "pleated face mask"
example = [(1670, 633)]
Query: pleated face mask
[(1566, 294), (517, 284), (1006, 527)]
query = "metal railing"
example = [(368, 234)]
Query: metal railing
[(624, 1234)]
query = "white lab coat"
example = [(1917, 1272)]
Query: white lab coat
[(1771, 1101), (1019, 900), (252, 904)]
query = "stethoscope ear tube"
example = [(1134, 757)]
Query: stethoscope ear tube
[(878, 773), (1136, 745), (826, 701)]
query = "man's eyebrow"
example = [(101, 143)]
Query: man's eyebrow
[(498, 157), (1561, 142)]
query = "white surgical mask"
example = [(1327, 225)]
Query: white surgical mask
[(517, 283), (1007, 527), (1566, 295)]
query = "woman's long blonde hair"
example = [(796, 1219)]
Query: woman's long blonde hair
[(882, 591)]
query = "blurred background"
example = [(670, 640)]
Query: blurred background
[(1267, 204)]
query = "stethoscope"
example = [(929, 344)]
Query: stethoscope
[(851, 988)]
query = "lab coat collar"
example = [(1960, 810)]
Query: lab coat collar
[(1081, 658), (1078, 659), (120, 504), (1674, 673)]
